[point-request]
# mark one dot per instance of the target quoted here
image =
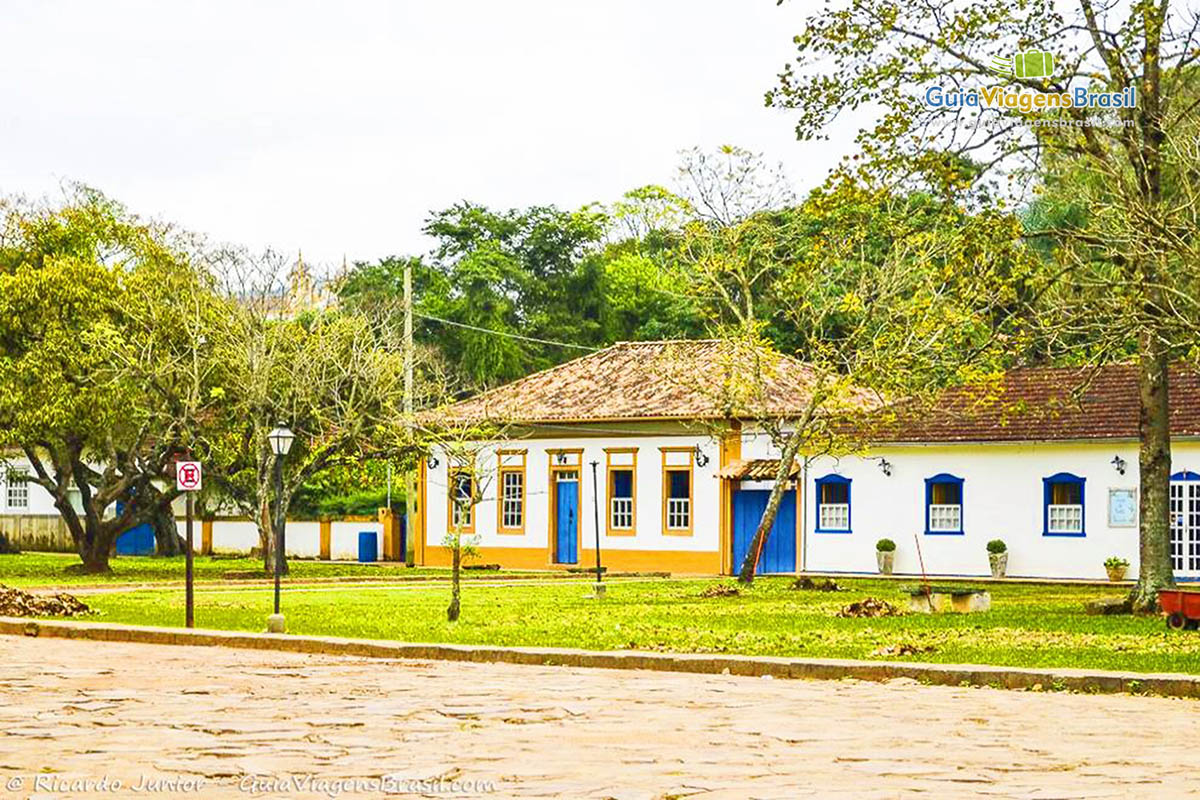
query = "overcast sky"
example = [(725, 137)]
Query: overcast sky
[(336, 127)]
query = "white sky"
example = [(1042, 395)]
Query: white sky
[(336, 127)]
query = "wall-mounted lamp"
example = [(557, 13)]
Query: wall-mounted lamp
[(431, 461), (560, 458), (1119, 463), (701, 458), (886, 467)]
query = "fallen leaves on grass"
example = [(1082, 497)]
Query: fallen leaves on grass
[(870, 607), (808, 584), (720, 590), (16, 603), (903, 649)]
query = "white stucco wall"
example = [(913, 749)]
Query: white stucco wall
[(303, 537), (343, 539), (649, 534), (1002, 499)]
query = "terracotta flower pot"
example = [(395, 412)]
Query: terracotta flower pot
[(999, 563), (1116, 574), (886, 559)]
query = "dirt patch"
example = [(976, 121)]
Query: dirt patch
[(822, 585), (16, 603), (903, 649), (870, 607), (720, 590)]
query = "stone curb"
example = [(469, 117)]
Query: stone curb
[(1094, 681)]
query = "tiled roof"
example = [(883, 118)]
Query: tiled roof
[(754, 469), (646, 380), (690, 379), (1046, 404)]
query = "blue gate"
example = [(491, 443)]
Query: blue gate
[(779, 555), (567, 512)]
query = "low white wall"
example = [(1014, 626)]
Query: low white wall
[(303, 538), (343, 539)]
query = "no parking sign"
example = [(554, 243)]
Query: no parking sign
[(188, 476)]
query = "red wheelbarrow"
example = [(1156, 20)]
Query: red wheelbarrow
[(1181, 607)]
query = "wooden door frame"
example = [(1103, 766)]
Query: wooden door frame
[(552, 533)]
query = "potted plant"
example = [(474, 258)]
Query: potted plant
[(885, 555), (1116, 568), (998, 557)]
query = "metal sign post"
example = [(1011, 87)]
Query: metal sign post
[(188, 479), (190, 593)]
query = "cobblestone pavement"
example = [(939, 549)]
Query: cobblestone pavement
[(216, 722)]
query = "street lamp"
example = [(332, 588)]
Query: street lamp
[(280, 440)]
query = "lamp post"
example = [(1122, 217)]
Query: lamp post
[(280, 440), (596, 519)]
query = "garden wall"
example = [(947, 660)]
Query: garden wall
[(335, 539), (45, 533)]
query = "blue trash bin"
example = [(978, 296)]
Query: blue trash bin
[(368, 547)]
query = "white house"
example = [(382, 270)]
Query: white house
[(612, 448), (21, 496)]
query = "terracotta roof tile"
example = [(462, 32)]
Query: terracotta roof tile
[(643, 380), (1047, 404), (754, 469), (685, 380)]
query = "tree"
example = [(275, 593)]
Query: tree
[(882, 299), (1123, 271), (472, 468), (469, 445), (334, 378), (99, 312)]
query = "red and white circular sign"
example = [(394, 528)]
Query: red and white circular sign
[(187, 476)]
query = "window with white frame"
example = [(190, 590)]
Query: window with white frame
[(512, 488), (833, 504), (943, 504), (17, 491), (511, 494), (1063, 505)]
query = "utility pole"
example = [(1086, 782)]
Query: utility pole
[(409, 482)]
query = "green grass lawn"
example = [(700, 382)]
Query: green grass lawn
[(50, 569), (1028, 625)]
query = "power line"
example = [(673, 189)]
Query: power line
[(505, 333)]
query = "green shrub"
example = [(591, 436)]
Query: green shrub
[(7, 546), (1115, 562), (996, 546), (364, 503), (885, 546)]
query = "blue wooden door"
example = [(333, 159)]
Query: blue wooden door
[(137, 541), (567, 511), (779, 554)]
